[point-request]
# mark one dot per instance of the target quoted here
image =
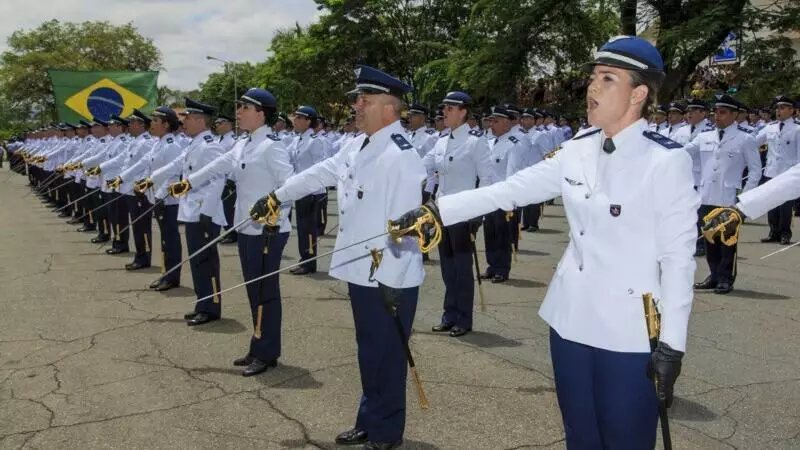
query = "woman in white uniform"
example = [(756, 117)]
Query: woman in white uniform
[(631, 206)]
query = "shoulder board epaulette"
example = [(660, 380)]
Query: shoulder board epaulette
[(476, 132), (661, 139), (147, 136), (274, 137), (122, 138), (313, 135), (513, 139), (746, 130), (707, 129), (444, 133), (430, 131), (170, 140), (401, 142), (523, 131), (581, 136), (208, 138)]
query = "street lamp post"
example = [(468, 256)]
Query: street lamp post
[(235, 86)]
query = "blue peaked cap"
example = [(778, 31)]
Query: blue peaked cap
[(629, 52), (370, 80)]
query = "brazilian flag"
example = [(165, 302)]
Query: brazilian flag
[(99, 95)]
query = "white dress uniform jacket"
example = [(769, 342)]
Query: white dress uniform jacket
[(164, 152), (460, 158), (374, 184), (106, 146), (258, 165), (757, 202), (632, 218), (306, 150), (783, 144), (227, 141), (723, 162), (138, 148), (686, 134), (207, 199)]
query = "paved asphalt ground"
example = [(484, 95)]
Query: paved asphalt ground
[(90, 359)]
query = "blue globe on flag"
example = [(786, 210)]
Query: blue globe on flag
[(104, 102)]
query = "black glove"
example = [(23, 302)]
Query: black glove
[(390, 297), (159, 208), (665, 365), (230, 185), (410, 218), (261, 209), (475, 225)]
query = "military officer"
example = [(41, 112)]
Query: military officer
[(631, 233), (163, 126), (497, 232), (223, 127), (660, 118), (200, 209), (459, 158), (377, 177), (258, 164), (782, 138), (306, 150), (98, 215), (137, 204), (697, 122), (723, 155), (675, 114), (540, 143)]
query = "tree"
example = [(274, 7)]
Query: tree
[(67, 46), (223, 89)]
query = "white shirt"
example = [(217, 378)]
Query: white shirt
[(632, 218), (162, 155), (460, 158), (722, 163), (206, 199), (757, 202), (686, 134), (783, 146), (138, 148), (306, 150), (374, 184), (258, 165)]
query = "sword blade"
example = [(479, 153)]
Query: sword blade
[(292, 266), (101, 206), (79, 199), (201, 250), (131, 224), (781, 250)]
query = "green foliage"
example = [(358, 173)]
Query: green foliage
[(67, 46)]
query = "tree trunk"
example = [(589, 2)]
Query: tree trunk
[(627, 10)]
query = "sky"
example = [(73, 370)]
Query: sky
[(185, 31)]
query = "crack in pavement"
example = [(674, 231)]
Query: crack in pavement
[(521, 389), (519, 447), (303, 429), (738, 386), (697, 430), (48, 263)]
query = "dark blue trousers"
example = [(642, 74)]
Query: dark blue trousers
[(530, 218), (229, 205), (142, 229), (205, 266), (606, 399), (118, 216), (307, 229), (455, 252), (260, 255), (497, 239), (100, 214), (171, 247), (381, 361)]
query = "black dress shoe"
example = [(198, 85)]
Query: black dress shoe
[(499, 279), (190, 315), (708, 283), (723, 288), (258, 366), (64, 214), (770, 239), (486, 276), (525, 228), (458, 331), (381, 445), (99, 240), (136, 266), (86, 229), (533, 229), (442, 328), (74, 221), (294, 270), (116, 251), (228, 240), (352, 437), (785, 240), (243, 361), (301, 271), (201, 318), (163, 285)]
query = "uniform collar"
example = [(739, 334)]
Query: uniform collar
[(460, 134), (307, 133), (168, 135), (260, 134), (626, 139), (379, 140), (201, 136)]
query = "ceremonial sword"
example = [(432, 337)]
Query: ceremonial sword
[(201, 250), (653, 323), (103, 244), (79, 199), (101, 206)]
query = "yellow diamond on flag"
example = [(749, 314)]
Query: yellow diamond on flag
[(103, 99)]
